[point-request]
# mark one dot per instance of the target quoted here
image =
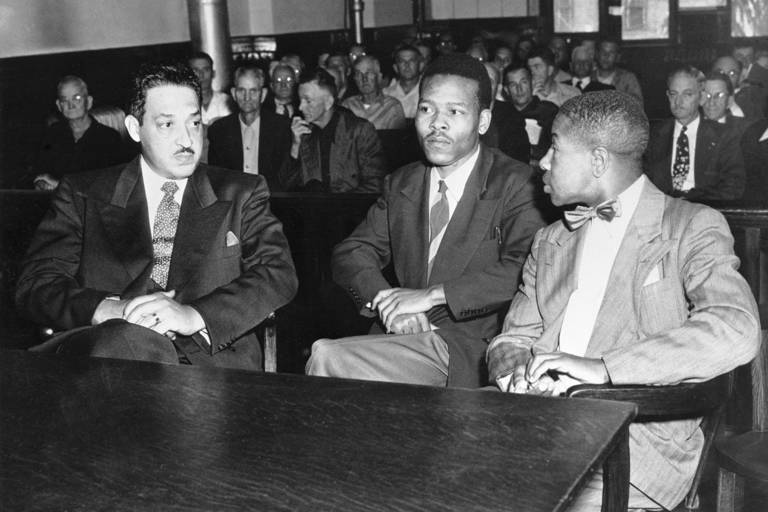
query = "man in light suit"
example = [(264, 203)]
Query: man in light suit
[(253, 140), (163, 259), (690, 156), (456, 230), (636, 287)]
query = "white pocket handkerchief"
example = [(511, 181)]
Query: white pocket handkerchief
[(653, 277), (232, 239)]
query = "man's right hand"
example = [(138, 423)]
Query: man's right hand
[(299, 127), (108, 309)]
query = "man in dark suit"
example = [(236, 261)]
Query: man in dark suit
[(583, 67), (689, 156), (163, 259), (507, 129), (253, 140), (282, 98), (456, 231)]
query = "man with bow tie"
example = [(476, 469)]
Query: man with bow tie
[(632, 287), (163, 259)]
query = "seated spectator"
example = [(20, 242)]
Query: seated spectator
[(252, 140), (523, 47), (408, 66), (583, 67), (79, 142), (338, 66), (749, 100), (295, 61), (503, 57), (507, 129), (446, 44), (559, 48), (384, 112), (541, 63), (215, 103), (455, 230), (607, 72), (425, 49), (716, 93), (754, 146), (688, 156), (282, 98), (332, 150), (635, 288), (478, 51), (538, 114)]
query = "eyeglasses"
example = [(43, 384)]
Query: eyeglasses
[(732, 72), (286, 80), (716, 96), (76, 99)]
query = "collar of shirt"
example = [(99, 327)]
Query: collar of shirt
[(763, 137), (628, 201), (583, 81), (153, 184), (455, 182), (734, 107)]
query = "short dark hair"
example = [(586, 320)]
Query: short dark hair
[(150, 76), (406, 48), (250, 67), (543, 53), (722, 77), (201, 55), (322, 77), (515, 66), (461, 64), (612, 119)]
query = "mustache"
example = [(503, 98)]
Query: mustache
[(185, 149), (437, 136)]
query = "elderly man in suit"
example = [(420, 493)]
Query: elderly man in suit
[(253, 140), (631, 287), (583, 66), (690, 156), (163, 259), (456, 231)]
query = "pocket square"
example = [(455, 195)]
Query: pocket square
[(653, 276), (232, 239)]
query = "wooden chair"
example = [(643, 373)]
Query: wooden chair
[(746, 455), (664, 403)]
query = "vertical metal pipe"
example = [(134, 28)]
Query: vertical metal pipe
[(357, 20), (209, 31)]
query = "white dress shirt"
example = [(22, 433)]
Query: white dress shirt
[(595, 262), (691, 131), (409, 100), (250, 135), (455, 183)]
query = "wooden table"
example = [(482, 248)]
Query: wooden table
[(98, 434)]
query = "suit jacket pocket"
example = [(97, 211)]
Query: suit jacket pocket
[(662, 306)]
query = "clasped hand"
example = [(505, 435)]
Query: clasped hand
[(157, 311), (393, 303), (538, 376)]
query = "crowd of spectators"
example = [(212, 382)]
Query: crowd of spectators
[(347, 117)]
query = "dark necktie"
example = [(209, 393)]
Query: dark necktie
[(579, 84), (164, 231), (682, 161), (606, 210), (438, 214)]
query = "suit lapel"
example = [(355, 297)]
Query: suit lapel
[(469, 224), (236, 142), (414, 212), (557, 265), (641, 249), (126, 222), (667, 133), (200, 219)]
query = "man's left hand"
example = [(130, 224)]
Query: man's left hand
[(582, 369), (402, 301), (161, 313)]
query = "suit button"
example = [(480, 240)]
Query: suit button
[(221, 346)]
